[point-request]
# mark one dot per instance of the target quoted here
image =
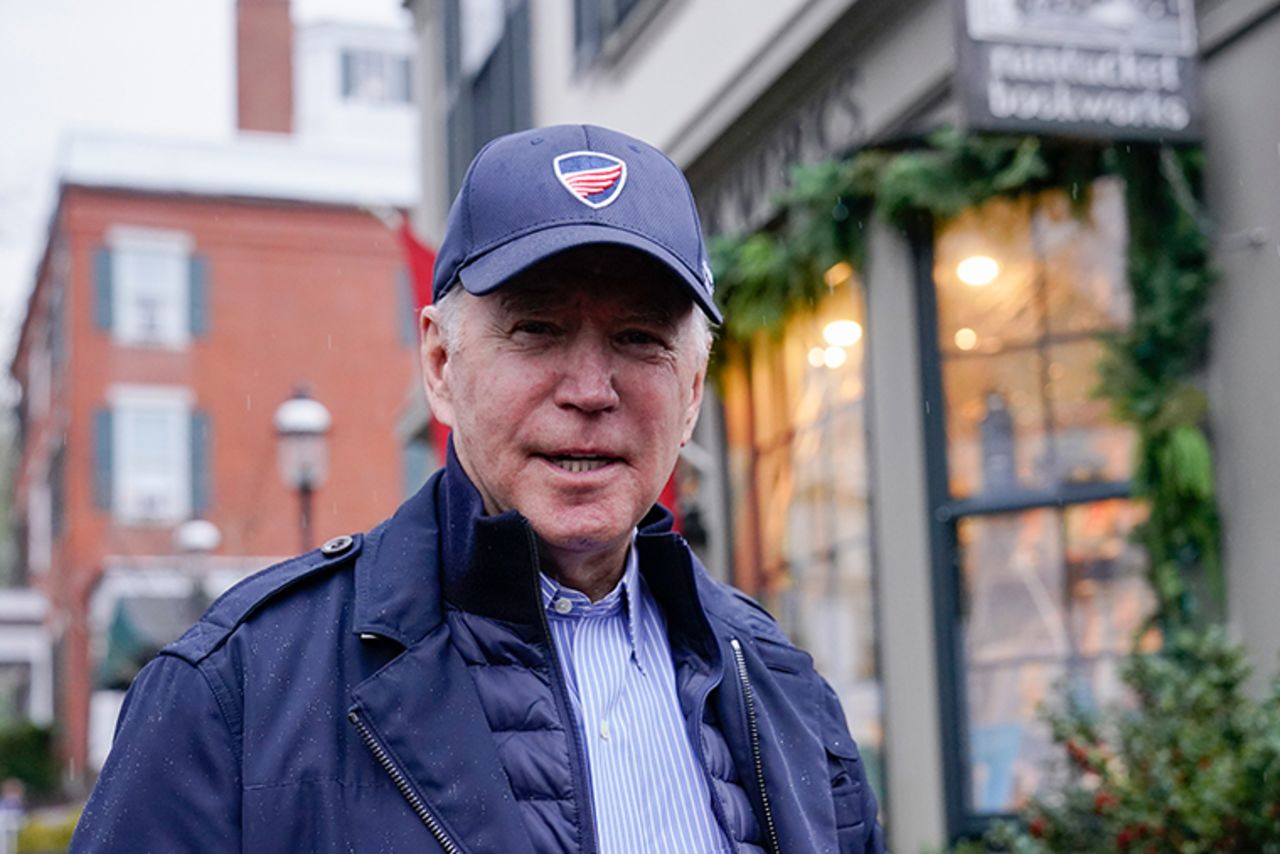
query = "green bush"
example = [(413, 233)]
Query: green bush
[(47, 837), (26, 752), (1192, 766)]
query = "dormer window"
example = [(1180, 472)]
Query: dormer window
[(376, 77)]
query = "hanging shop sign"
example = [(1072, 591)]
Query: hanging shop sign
[(1109, 69)]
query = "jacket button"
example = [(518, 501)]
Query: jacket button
[(337, 546)]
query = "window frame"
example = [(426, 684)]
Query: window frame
[(358, 63), (603, 30), (754, 569), (180, 403), (945, 513), (121, 241)]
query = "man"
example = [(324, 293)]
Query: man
[(524, 658)]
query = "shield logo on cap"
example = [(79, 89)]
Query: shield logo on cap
[(592, 178)]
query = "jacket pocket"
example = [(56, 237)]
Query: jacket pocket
[(849, 792), (783, 658)]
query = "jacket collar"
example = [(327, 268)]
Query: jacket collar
[(490, 563), (439, 548)]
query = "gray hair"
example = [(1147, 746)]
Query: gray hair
[(447, 307)]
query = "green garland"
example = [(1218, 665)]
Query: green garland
[(1148, 374)]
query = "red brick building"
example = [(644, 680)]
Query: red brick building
[(185, 292)]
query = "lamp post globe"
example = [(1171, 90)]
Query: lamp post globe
[(302, 430)]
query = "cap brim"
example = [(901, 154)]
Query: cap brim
[(489, 271)]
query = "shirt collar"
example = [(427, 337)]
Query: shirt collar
[(623, 599)]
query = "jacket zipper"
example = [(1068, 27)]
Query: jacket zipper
[(402, 783), (590, 844), (753, 730)]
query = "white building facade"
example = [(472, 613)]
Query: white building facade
[(853, 506)]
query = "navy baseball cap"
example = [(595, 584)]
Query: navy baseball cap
[(534, 194)]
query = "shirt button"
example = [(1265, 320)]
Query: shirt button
[(562, 606), (604, 730)]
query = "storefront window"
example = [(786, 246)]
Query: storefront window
[(1051, 586), (1025, 290), (795, 410)]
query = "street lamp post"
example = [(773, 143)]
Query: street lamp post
[(302, 427)]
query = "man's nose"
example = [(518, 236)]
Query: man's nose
[(587, 378)]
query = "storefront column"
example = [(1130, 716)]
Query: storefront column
[(915, 796), (1244, 407)]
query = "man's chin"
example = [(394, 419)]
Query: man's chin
[(567, 536)]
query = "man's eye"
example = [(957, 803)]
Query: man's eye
[(535, 327), (639, 338)]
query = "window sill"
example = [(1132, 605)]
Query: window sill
[(156, 346)]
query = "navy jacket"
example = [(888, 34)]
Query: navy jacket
[(330, 703)]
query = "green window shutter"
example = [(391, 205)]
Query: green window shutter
[(103, 458), (198, 295), (200, 447), (405, 308), (102, 288)]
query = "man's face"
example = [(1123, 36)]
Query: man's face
[(570, 394)]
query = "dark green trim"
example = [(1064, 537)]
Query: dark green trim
[(103, 458), (201, 446), (948, 644), (102, 287), (1032, 499), (198, 295)]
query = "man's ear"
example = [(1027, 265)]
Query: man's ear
[(435, 366), (695, 403)]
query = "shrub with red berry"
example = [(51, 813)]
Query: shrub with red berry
[(1191, 766)]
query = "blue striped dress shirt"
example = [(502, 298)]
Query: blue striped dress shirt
[(647, 789)]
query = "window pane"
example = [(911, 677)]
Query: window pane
[(1053, 600), (1088, 445), (1015, 586), (150, 295), (986, 275), (996, 423), (796, 424), (1084, 261), (1110, 598), (152, 464), (1019, 340), (375, 77), (1016, 642), (1009, 747)]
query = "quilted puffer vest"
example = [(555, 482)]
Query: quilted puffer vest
[(516, 679), (496, 622)]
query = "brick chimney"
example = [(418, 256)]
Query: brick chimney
[(264, 66)]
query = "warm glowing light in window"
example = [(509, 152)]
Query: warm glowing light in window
[(842, 333), (966, 338), (838, 273), (834, 357), (978, 270)]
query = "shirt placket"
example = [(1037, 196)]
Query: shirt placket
[(603, 656)]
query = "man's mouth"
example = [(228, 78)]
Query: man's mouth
[(577, 464)]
